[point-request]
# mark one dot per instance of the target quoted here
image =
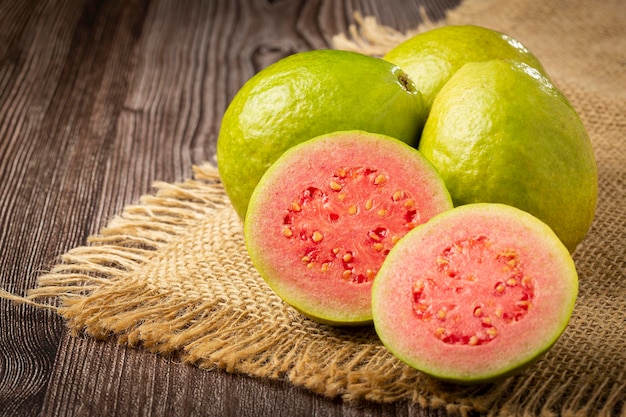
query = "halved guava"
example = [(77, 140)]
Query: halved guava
[(476, 294), (323, 218)]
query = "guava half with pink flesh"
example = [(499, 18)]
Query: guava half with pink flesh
[(476, 294), (324, 217)]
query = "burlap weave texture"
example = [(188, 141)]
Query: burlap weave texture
[(171, 274)]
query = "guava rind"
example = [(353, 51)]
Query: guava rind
[(430, 58), (324, 297), (305, 95), (520, 343), (500, 132)]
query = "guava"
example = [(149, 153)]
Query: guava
[(500, 132), (477, 293), (324, 216), (305, 95), (430, 58)]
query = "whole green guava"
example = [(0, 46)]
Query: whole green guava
[(500, 132), (305, 95)]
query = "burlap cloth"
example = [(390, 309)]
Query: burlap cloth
[(171, 274)]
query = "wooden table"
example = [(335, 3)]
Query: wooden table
[(98, 99)]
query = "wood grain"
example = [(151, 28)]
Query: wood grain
[(98, 99)]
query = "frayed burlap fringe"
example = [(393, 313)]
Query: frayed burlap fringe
[(369, 37), (171, 275)]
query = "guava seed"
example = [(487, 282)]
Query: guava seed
[(398, 195), (335, 186), (380, 179), (317, 236)]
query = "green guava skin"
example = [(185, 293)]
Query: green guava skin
[(500, 132), (519, 344), (430, 58), (305, 95)]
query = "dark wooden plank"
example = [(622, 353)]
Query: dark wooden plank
[(101, 379), (97, 100), (63, 84), (93, 378)]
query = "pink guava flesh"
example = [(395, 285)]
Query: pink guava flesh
[(327, 213), (476, 294)]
